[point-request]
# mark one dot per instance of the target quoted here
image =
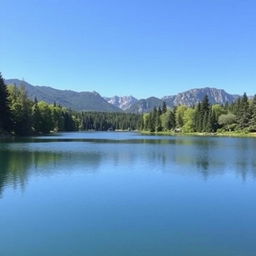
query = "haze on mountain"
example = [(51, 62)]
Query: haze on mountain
[(93, 101)]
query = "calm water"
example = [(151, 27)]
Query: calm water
[(119, 194)]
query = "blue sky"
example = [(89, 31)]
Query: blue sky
[(134, 47)]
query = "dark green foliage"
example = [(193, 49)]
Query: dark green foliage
[(205, 117), (252, 122), (103, 121), (21, 116), (33, 117), (5, 113), (240, 116), (21, 109), (243, 114), (164, 107), (36, 118)]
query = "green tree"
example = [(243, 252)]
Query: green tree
[(243, 113), (252, 122), (46, 117), (198, 118), (219, 110), (205, 114), (146, 121), (179, 115), (164, 107), (227, 121), (158, 125), (37, 121), (21, 110), (168, 120), (189, 120), (5, 113)]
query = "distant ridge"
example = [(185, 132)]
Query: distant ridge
[(79, 101), (123, 102), (93, 101), (194, 96), (188, 98), (145, 105)]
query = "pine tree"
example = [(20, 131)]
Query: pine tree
[(206, 104), (198, 118), (5, 113), (205, 114), (212, 124), (252, 122), (158, 120), (243, 114), (36, 118), (159, 111), (164, 107), (172, 123)]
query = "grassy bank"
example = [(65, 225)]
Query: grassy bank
[(217, 134)]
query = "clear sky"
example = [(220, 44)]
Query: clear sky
[(133, 47)]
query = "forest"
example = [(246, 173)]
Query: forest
[(239, 116), (21, 116)]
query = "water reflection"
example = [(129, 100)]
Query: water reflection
[(183, 155), (17, 165)]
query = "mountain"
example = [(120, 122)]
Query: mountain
[(194, 96), (79, 101), (145, 105), (188, 98), (123, 103), (92, 101)]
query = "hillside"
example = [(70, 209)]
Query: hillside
[(79, 101), (188, 98), (145, 105), (194, 96), (92, 101)]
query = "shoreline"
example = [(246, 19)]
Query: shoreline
[(200, 134), (163, 133)]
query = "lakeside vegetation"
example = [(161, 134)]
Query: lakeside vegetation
[(235, 119), (21, 116)]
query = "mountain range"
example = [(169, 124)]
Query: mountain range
[(123, 102), (79, 101), (93, 101)]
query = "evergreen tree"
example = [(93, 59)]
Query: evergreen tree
[(243, 113), (198, 118), (205, 114), (159, 111), (172, 123), (211, 125), (168, 120), (21, 108), (164, 107), (5, 113), (36, 118), (158, 125), (152, 126), (252, 122)]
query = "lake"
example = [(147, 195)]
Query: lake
[(120, 194)]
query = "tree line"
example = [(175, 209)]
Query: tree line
[(21, 116), (239, 116)]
